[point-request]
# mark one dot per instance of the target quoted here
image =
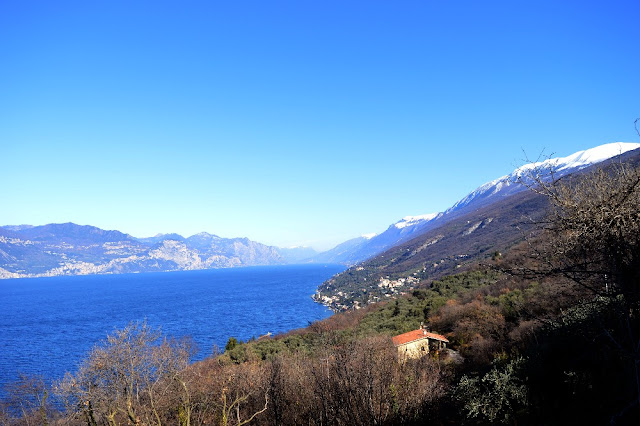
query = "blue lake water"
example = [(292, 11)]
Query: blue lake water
[(48, 325)]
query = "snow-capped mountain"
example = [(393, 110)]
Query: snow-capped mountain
[(410, 221), (409, 227), (70, 249), (358, 249), (484, 226), (509, 184)]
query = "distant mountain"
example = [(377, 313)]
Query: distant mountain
[(156, 239), (358, 249), (242, 251), (204, 240), (353, 251), (403, 230), (346, 253), (70, 249), (297, 254), (56, 232), (492, 221), (16, 227)]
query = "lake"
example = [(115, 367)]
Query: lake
[(48, 325)]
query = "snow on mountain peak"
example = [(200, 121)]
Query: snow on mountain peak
[(414, 220), (581, 158), (558, 165), (369, 236)]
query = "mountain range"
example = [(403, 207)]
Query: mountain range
[(359, 249), (70, 249), (488, 221)]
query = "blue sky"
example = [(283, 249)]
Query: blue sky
[(296, 122)]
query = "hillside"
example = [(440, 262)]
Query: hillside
[(464, 241), (475, 230)]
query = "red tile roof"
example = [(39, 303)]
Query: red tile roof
[(412, 336)]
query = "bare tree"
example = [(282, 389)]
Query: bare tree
[(126, 378), (28, 402), (591, 238), (230, 408), (591, 233)]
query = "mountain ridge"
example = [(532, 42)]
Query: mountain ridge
[(468, 236), (71, 249), (412, 226), (68, 248)]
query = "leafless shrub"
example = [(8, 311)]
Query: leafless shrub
[(591, 238), (127, 378), (28, 402)]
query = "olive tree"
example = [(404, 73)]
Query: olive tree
[(495, 396)]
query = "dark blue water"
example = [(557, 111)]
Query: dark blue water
[(48, 325)]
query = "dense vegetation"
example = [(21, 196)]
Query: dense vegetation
[(547, 333)]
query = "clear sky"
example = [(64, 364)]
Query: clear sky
[(296, 122)]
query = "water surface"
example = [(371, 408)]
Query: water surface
[(48, 325)]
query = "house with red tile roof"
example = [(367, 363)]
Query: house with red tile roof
[(417, 343)]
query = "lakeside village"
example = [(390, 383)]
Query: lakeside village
[(386, 288)]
